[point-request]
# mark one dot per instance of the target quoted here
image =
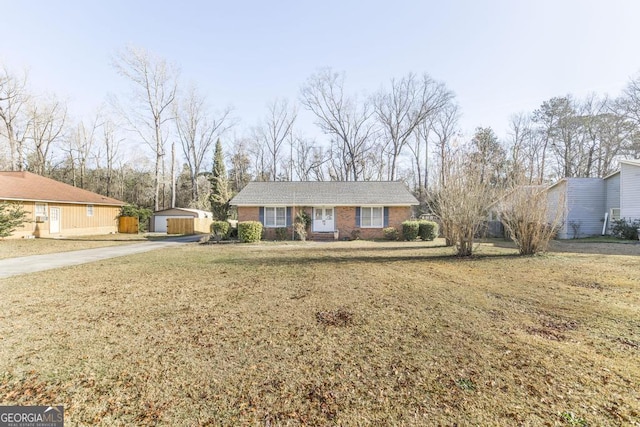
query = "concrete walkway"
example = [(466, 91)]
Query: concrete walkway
[(31, 264)]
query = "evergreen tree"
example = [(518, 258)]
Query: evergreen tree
[(220, 194)]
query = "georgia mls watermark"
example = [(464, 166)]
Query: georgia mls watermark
[(31, 416)]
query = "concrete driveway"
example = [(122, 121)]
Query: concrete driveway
[(31, 264)]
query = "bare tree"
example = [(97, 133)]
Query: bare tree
[(444, 129), (81, 142), (275, 130), (198, 130), (308, 160), (47, 121), (13, 98), (347, 122), (404, 108), (111, 146), (154, 86)]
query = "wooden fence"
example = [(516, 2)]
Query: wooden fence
[(128, 225), (189, 225)]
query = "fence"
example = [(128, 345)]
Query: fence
[(128, 225), (188, 225)]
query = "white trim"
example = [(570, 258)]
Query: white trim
[(275, 216), (381, 216), (13, 199)]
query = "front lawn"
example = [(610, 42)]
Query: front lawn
[(10, 248), (345, 333)]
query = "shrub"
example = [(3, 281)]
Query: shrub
[(12, 216), (355, 234), (302, 222), (626, 228), (390, 233), (250, 231), (281, 233), (410, 230), (428, 230), (143, 215), (220, 229)]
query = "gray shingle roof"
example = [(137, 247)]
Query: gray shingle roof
[(328, 193)]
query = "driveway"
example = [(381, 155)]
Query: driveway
[(31, 264)]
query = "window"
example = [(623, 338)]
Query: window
[(275, 217), (89, 210), (615, 214), (371, 217), (41, 210)]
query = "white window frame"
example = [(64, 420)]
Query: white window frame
[(371, 218), (275, 223), (89, 210), (43, 212), (612, 216)]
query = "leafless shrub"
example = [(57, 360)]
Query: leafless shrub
[(529, 219)]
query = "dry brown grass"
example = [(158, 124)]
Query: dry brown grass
[(10, 248), (357, 333)]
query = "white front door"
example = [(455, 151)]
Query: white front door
[(54, 220), (323, 220)]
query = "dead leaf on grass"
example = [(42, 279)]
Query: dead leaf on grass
[(339, 317), (546, 333)]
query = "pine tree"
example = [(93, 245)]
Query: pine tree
[(220, 194)]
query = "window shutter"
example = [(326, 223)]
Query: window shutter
[(386, 216), (261, 213), (289, 216), (358, 217)]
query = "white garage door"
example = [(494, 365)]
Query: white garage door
[(160, 222)]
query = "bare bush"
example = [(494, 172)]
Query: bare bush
[(461, 203), (529, 219)]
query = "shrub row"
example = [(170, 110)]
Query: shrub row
[(426, 230)]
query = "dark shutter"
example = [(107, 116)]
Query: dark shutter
[(261, 214), (358, 217), (289, 216), (386, 216)]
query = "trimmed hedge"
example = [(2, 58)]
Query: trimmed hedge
[(428, 230), (221, 227), (250, 231), (390, 233), (410, 230)]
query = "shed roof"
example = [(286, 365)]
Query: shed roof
[(330, 193), (27, 186), (199, 212)]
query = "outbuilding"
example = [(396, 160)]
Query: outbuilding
[(159, 218)]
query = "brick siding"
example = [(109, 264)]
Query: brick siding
[(345, 217)]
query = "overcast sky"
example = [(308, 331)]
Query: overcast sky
[(499, 57)]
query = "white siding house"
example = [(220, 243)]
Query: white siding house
[(585, 201), (584, 206), (630, 189)]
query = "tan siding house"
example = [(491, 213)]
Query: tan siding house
[(56, 209), (340, 209)]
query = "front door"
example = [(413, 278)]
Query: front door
[(54, 220), (323, 220)]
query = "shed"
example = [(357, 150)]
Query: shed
[(159, 218)]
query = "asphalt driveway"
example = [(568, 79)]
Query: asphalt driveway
[(31, 264)]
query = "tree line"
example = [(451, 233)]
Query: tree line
[(154, 145)]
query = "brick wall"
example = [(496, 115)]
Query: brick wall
[(345, 218), (346, 221)]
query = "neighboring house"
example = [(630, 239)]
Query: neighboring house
[(57, 209), (588, 202), (159, 219), (365, 206)]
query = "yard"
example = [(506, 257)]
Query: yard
[(347, 333), (11, 248)]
